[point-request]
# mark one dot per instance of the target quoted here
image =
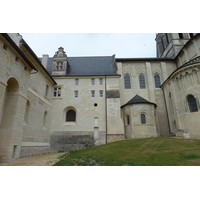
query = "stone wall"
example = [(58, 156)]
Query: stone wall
[(65, 142)]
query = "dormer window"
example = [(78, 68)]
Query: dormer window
[(59, 66)]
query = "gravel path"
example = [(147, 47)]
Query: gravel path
[(38, 160)]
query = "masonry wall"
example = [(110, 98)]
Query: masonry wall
[(23, 107), (13, 87), (184, 82), (150, 93), (90, 111)]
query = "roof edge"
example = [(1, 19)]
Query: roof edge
[(37, 59), (7, 37)]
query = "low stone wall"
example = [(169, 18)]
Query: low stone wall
[(30, 151), (65, 142)]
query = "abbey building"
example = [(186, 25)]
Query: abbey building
[(61, 103)]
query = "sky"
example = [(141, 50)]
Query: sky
[(123, 45)]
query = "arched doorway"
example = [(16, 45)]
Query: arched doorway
[(9, 121)]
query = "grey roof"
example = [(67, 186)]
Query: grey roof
[(87, 66), (138, 99)]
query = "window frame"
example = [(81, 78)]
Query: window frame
[(72, 117), (192, 103), (5, 47), (76, 81), (58, 91), (59, 66), (127, 81), (100, 81), (143, 118), (92, 93), (93, 81), (142, 81), (157, 82), (100, 93), (76, 93)]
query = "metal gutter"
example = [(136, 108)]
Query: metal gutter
[(106, 112), (144, 59), (103, 75)]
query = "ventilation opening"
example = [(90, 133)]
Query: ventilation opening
[(95, 104)]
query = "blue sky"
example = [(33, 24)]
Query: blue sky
[(124, 45)]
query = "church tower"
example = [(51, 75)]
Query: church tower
[(169, 44)]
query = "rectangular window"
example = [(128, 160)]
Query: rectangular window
[(76, 81), (93, 81), (101, 81), (59, 66), (16, 59), (93, 93), (75, 93), (5, 47), (101, 93), (57, 92), (47, 90)]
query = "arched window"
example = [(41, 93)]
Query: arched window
[(157, 80), (192, 103), (71, 116), (143, 118), (127, 82), (142, 81)]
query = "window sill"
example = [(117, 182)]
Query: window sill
[(56, 97), (69, 124)]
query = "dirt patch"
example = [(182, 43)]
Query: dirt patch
[(39, 160)]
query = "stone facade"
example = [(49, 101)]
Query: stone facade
[(63, 103)]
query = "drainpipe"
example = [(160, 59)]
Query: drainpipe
[(106, 112), (166, 110)]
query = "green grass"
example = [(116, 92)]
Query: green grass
[(137, 152)]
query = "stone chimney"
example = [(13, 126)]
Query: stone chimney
[(45, 58)]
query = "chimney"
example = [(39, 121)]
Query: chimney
[(45, 58)]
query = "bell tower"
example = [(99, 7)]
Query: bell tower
[(169, 44), (59, 62)]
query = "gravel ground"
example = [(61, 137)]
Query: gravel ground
[(38, 160)]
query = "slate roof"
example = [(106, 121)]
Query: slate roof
[(88, 66), (137, 99)]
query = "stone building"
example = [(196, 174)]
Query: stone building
[(63, 103)]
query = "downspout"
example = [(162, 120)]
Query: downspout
[(166, 109), (106, 112)]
